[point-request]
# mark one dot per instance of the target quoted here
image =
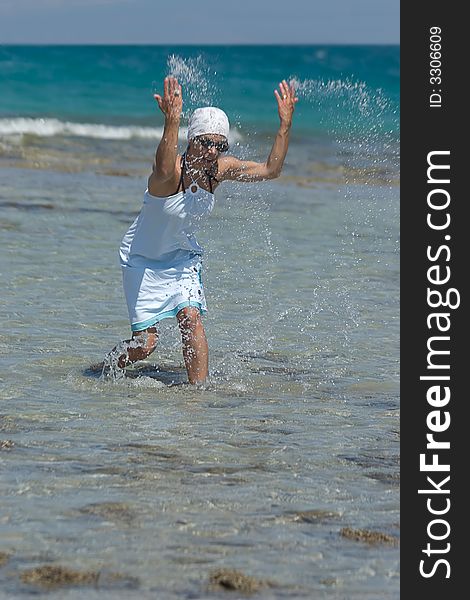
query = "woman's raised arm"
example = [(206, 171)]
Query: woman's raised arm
[(171, 105), (231, 168)]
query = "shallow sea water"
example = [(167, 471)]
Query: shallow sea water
[(295, 437), (163, 482)]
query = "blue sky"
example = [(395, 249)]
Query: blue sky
[(199, 21)]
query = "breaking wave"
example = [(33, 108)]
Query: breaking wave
[(54, 127)]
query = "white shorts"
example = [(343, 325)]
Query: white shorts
[(157, 290)]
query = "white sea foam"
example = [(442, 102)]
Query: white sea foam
[(54, 127)]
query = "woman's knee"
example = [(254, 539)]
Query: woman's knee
[(189, 318)]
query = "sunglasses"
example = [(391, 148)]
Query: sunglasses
[(208, 143)]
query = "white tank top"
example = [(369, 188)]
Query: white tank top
[(166, 224)]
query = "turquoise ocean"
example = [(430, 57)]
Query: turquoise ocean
[(282, 463)]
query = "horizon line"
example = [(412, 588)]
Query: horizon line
[(199, 45)]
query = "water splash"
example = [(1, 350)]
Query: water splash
[(197, 79), (246, 214), (111, 369), (120, 355), (363, 122), (363, 125), (345, 92)]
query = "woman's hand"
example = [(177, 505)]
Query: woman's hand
[(286, 100), (171, 104)]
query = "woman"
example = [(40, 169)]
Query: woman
[(160, 256)]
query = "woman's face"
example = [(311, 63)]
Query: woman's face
[(209, 146)]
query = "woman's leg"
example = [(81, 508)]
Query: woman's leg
[(195, 349), (141, 345)]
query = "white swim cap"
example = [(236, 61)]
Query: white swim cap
[(208, 119)]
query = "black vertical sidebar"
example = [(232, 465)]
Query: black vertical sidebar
[(434, 324)]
